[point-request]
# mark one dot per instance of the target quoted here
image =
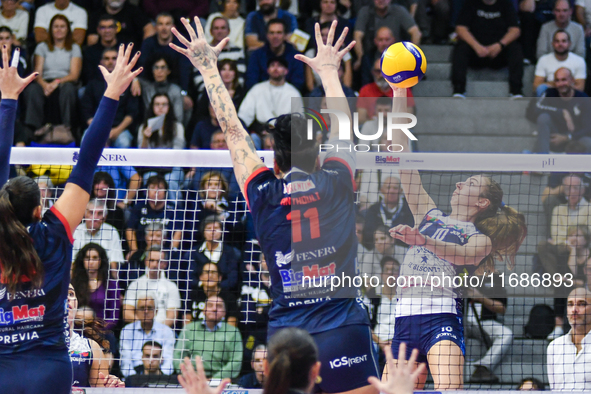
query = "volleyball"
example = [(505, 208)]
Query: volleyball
[(403, 64)]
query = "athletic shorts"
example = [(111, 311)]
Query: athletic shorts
[(36, 371), (424, 331), (347, 357)]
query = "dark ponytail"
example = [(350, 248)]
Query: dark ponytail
[(504, 225), (291, 355), (18, 258)]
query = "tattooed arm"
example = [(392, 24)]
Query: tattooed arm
[(204, 57), (326, 64)]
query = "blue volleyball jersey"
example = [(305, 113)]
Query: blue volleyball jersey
[(81, 357), (420, 262), (319, 207), (38, 317)]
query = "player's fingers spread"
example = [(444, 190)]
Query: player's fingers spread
[(401, 354), (303, 58), (127, 54), (221, 45), (341, 39), (420, 370), (413, 359), (222, 386), (179, 49), (318, 35), (200, 31), (181, 38), (376, 383), (4, 57), (348, 48), (331, 32)]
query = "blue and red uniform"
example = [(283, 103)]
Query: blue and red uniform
[(33, 322), (319, 208)]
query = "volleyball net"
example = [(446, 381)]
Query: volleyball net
[(167, 256)]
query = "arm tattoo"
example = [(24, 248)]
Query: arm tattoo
[(205, 56), (250, 143), (234, 134)]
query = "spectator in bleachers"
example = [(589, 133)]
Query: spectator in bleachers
[(562, 21), (160, 84), (554, 253), (165, 292), (379, 14), (256, 30), (76, 17), (434, 20), (588, 274), (103, 190), (15, 18), (220, 29), (218, 343), (530, 384), (231, 12), (382, 246), (383, 106), (369, 94), (204, 131), (157, 45), (92, 54), (46, 190), (93, 284), (206, 284), (569, 356), (7, 38), (359, 227), (383, 300), (171, 135), (127, 110), (583, 16), (215, 250), (487, 37), (254, 380), (178, 8), (313, 79), (142, 330), (563, 115), (578, 242), (391, 210), (135, 25), (156, 209), (58, 62), (135, 266), (151, 368), (255, 305), (328, 14), (485, 307), (269, 99), (383, 39), (127, 181), (276, 47), (94, 229), (560, 58)]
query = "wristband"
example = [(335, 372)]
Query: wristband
[(502, 45)]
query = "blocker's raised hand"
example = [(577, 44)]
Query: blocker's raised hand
[(328, 57), (11, 84), (119, 79), (202, 55)]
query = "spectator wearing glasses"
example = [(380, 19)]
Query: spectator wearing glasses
[(107, 32), (160, 84), (140, 332)]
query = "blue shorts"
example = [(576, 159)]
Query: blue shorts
[(36, 371), (424, 331), (347, 357)]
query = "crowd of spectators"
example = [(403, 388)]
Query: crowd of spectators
[(168, 257)]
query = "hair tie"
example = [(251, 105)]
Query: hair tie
[(503, 204)]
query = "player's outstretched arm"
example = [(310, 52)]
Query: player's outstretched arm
[(326, 63), (401, 375), (11, 85), (72, 203), (204, 57)]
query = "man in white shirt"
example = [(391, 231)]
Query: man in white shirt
[(76, 15), (16, 19), (134, 335), (561, 57), (94, 229), (562, 20), (569, 357), (166, 293), (269, 99)]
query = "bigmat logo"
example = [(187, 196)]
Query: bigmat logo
[(21, 314)]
